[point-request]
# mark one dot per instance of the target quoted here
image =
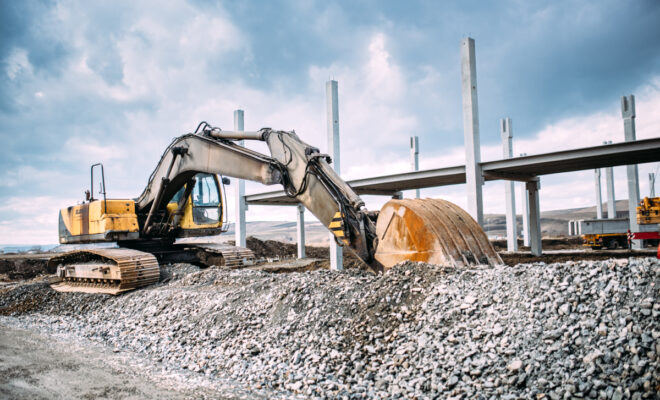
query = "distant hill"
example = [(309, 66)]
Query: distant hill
[(553, 223)]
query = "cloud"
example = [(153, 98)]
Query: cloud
[(30, 220), (115, 82)]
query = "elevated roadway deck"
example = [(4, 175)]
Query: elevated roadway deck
[(519, 169)]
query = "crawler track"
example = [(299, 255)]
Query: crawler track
[(109, 271)]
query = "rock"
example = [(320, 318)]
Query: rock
[(515, 365), (591, 357), (560, 330)]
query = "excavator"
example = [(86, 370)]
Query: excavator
[(183, 199)]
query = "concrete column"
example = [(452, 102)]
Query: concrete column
[(652, 184), (571, 225), (599, 197), (611, 200), (509, 188), (473, 176), (241, 205), (628, 114), (534, 217), (300, 230), (525, 210), (332, 113), (414, 157)]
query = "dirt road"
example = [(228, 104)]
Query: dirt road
[(33, 366)]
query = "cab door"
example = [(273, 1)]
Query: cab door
[(203, 212), (206, 204)]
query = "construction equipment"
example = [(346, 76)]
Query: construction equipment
[(614, 233), (648, 211), (182, 198)]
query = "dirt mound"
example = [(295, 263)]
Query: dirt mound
[(273, 248), (552, 243), (23, 266)]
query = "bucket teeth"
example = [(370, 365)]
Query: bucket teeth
[(433, 231)]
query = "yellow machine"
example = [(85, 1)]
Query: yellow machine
[(605, 240), (116, 220), (614, 235), (648, 211), (183, 198)]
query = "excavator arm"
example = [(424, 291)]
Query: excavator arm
[(303, 171), (429, 230)]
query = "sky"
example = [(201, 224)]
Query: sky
[(116, 81)]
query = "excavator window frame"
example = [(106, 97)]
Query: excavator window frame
[(219, 205)]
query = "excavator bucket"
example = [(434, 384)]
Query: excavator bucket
[(433, 231)]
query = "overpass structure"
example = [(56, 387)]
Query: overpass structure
[(527, 168)]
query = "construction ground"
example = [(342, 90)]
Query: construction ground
[(573, 323)]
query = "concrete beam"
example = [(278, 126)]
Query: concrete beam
[(509, 188), (414, 157), (241, 204), (523, 168), (332, 114), (628, 114), (599, 197), (473, 176), (300, 230), (534, 217)]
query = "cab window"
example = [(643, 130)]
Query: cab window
[(205, 199), (205, 192)]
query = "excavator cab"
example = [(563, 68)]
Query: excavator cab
[(203, 209)]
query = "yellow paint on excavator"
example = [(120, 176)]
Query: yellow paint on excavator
[(433, 231), (337, 227)]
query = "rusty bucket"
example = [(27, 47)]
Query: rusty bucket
[(433, 231)]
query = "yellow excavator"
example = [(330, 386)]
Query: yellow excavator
[(183, 198)]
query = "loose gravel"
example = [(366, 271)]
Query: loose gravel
[(587, 329)]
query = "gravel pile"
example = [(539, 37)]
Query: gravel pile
[(585, 329)]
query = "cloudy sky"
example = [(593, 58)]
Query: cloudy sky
[(114, 81)]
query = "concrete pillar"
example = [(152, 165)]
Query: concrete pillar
[(611, 200), (241, 205), (571, 228), (599, 197), (300, 230), (473, 176), (509, 188), (414, 157), (628, 114), (652, 184), (525, 210), (534, 217), (332, 113)]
